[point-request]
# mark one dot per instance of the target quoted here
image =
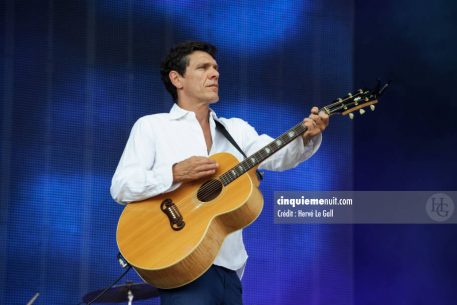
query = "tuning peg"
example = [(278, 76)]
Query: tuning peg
[(351, 116), (362, 112), (372, 107)]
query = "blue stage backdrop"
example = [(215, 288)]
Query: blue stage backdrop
[(408, 145), (76, 76)]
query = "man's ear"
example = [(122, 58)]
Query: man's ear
[(175, 79)]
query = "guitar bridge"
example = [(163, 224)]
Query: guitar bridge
[(171, 210)]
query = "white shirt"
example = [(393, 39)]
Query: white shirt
[(158, 141)]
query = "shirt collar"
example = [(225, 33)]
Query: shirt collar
[(177, 112)]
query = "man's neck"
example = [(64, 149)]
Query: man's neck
[(201, 111)]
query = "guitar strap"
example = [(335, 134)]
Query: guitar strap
[(227, 135)]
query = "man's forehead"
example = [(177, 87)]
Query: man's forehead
[(200, 57)]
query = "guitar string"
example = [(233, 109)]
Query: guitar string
[(184, 202), (213, 185)]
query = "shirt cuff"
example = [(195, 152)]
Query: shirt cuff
[(162, 179), (313, 144)]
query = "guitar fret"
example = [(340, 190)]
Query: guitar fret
[(262, 154)]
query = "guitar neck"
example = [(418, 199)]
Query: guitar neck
[(262, 154), (343, 106)]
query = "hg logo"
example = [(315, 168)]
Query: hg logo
[(440, 207)]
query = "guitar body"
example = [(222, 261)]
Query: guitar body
[(167, 257)]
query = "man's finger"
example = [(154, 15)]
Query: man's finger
[(204, 174), (206, 167)]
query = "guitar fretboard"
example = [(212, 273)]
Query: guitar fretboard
[(346, 105), (262, 154)]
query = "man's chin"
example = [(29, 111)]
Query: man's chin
[(214, 100)]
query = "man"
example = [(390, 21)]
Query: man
[(168, 149)]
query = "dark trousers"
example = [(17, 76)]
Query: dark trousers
[(218, 286)]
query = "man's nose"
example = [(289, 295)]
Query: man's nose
[(214, 73)]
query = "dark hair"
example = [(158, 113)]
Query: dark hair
[(177, 59)]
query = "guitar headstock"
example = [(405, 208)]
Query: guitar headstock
[(358, 100)]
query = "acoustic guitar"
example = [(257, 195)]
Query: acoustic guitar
[(173, 238)]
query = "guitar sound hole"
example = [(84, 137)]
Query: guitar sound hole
[(209, 190)]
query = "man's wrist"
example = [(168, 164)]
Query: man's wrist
[(174, 174), (306, 140)]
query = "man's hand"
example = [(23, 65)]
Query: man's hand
[(316, 123), (193, 168)]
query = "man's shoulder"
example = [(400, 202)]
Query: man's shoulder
[(153, 118), (150, 122), (237, 124), (233, 122), (239, 129)]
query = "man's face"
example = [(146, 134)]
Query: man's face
[(200, 81)]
